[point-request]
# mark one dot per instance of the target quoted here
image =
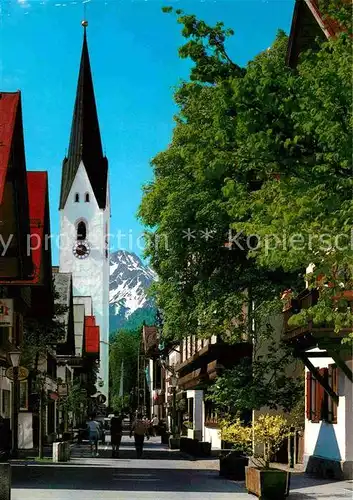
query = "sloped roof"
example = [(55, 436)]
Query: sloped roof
[(9, 104), (85, 139), (309, 24), (37, 195), (37, 183), (329, 26)]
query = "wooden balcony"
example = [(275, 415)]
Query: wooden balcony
[(309, 333), (207, 363)]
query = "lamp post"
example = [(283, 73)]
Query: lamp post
[(15, 361), (174, 382)]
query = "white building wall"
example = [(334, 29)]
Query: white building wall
[(348, 391), (90, 276), (212, 436), (332, 441), (197, 395)]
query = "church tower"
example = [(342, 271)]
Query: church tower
[(85, 210)]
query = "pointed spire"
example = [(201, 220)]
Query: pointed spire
[(85, 140)]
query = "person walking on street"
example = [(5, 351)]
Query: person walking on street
[(116, 432), (139, 430), (155, 424), (93, 435)]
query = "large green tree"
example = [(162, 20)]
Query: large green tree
[(201, 281), (124, 351), (255, 151)]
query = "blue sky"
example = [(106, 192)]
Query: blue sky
[(133, 48)]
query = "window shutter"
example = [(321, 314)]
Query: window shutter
[(308, 395), (333, 377), (325, 396), (315, 398)]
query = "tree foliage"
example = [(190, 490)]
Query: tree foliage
[(263, 153), (258, 382), (124, 350)]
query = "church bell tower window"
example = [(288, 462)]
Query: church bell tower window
[(87, 197), (81, 231), (77, 198)]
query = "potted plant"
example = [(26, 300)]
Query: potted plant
[(268, 432), (232, 462)]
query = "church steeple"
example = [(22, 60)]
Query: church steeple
[(85, 139)]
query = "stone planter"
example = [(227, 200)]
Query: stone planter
[(165, 438), (232, 465), (267, 484), (184, 444), (204, 448), (174, 443)]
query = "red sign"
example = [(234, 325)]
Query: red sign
[(53, 395)]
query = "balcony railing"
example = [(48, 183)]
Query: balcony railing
[(305, 300)]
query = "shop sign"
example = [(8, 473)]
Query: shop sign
[(22, 373), (53, 395), (6, 312), (62, 390)]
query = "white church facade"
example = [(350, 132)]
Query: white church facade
[(85, 212)]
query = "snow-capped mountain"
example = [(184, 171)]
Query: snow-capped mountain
[(130, 279)]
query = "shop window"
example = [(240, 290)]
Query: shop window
[(6, 404), (24, 395), (319, 405)]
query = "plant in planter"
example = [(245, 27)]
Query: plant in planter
[(232, 462), (268, 432)]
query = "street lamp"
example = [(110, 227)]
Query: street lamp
[(173, 379), (15, 361)]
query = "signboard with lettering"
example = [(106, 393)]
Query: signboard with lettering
[(62, 390), (22, 373), (6, 312)]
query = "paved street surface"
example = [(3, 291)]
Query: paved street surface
[(161, 474)]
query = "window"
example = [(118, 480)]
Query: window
[(6, 402), (191, 410), (24, 395), (87, 198), (319, 405), (211, 417), (77, 197), (81, 231)]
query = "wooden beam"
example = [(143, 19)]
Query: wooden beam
[(341, 364), (316, 354), (304, 357)]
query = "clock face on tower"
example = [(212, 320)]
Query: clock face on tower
[(81, 249)]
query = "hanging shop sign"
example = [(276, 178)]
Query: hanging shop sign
[(62, 390), (53, 395), (101, 399), (22, 373), (6, 312)]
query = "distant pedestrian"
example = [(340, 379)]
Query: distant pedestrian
[(139, 430), (116, 432), (155, 425), (93, 435)]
